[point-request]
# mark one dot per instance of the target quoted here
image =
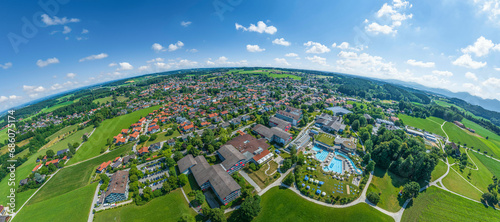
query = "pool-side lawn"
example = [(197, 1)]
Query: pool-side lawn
[(326, 138), (169, 207), (435, 204), (280, 204)]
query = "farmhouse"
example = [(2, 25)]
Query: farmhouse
[(62, 152), (117, 188)]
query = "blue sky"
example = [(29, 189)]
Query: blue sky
[(444, 44)]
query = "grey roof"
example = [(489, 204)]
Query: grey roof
[(263, 130), (336, 124), (222, 182), (186, 162), (231, 156), (200, 170), (337, 109), (280, 123), (281, 133), (127, 158), (62, 151), (289, 115)]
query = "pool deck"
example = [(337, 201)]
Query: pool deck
[(346, 164)]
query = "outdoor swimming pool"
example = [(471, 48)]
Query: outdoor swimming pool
[(336, 164)]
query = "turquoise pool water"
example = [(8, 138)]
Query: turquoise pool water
[(336, 164)]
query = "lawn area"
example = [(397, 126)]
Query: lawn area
[(260, 176), (108, 99), (108, 129), (24, 170), (267, 73), (3, 135), (435, 204), (73, 138), (71, 206), (389, 186), (169, 207), (332, 187), (74, 177), (57, 106), (279, 204), (480, 178), (63, 131), (456, 135), (326, 138), (492, 165), (425, 124), (439, 170), (455, 183)]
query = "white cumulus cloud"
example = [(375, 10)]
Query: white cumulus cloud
[(470, 75), (254, 48), (71, 75), (281, 41), (413, 62), (317, 59), (261, 27), (57, 21), (186, 23), (316, 47), (466, 61), (281, 61), (42, 63), (177, 45), (94, 57), (442, 73)]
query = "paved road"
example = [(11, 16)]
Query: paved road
[(92, 205), (249, 180)]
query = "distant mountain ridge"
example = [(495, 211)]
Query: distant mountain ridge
[(489, 104)]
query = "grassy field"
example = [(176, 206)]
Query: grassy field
[(108, 129), (429, 125), (492, 165), (73, 138), (3, 135), (63, 131), (267, 73), (480, 178), (326, 138), (435, 204), (24, 170), (165, 208), (260, 176), (74, 177), (455, 183), (456, 135), (72, 206), (108, 99), (439, 170), (280, 204), (389, 186)]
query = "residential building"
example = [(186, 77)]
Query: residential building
[(117, 188)]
